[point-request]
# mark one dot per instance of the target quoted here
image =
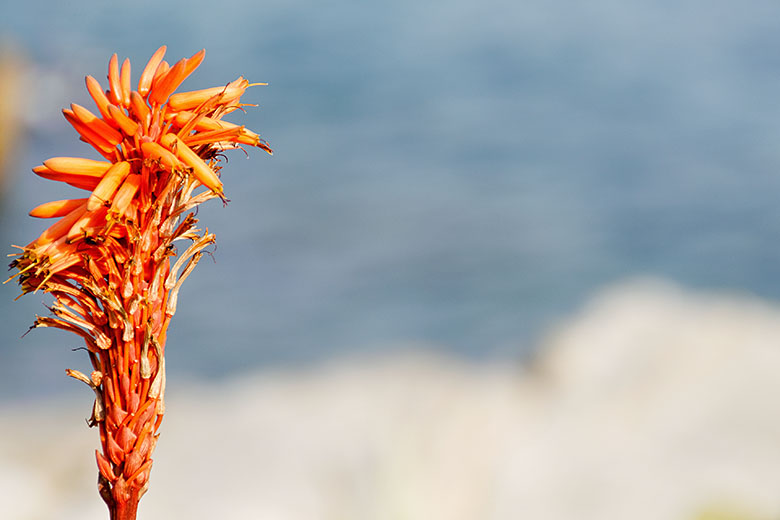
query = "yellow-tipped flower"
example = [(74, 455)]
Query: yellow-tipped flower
[(109, 258)]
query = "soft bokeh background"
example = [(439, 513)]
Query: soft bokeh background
[(423, 294)]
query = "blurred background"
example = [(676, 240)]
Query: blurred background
[(508, 259)]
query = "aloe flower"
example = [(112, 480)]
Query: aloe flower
[(112, 259)]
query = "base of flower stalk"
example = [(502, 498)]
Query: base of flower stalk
[(121, 499)]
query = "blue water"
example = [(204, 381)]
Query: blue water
[(458, 174)]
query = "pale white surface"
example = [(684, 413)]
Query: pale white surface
[(651, 403)]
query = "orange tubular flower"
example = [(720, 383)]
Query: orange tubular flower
[(109, 259)]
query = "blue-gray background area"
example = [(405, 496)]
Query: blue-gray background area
[(454, 174)]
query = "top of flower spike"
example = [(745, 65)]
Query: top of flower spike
[(108, 259), (147, 136), (188, 125)]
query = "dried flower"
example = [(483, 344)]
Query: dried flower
[(110, 261)]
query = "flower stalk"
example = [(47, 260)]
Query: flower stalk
[(110, 259)]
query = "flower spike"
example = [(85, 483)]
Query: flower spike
[(108, 259)]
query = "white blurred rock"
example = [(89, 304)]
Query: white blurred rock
[(651, 403)]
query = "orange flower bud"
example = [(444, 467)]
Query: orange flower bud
[(108, 185), (145, 81), (62, 226), (98, 95), (127, 125), (167, 159), (124, 82), (77, 165), (114, 83), (190, 100), (56, 208), (202, 171), (96, 124), (124, 196), (139, 107)]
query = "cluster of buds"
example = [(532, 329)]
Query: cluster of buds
[(110, 261)]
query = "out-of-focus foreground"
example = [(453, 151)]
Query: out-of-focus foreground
[(652, 403)]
